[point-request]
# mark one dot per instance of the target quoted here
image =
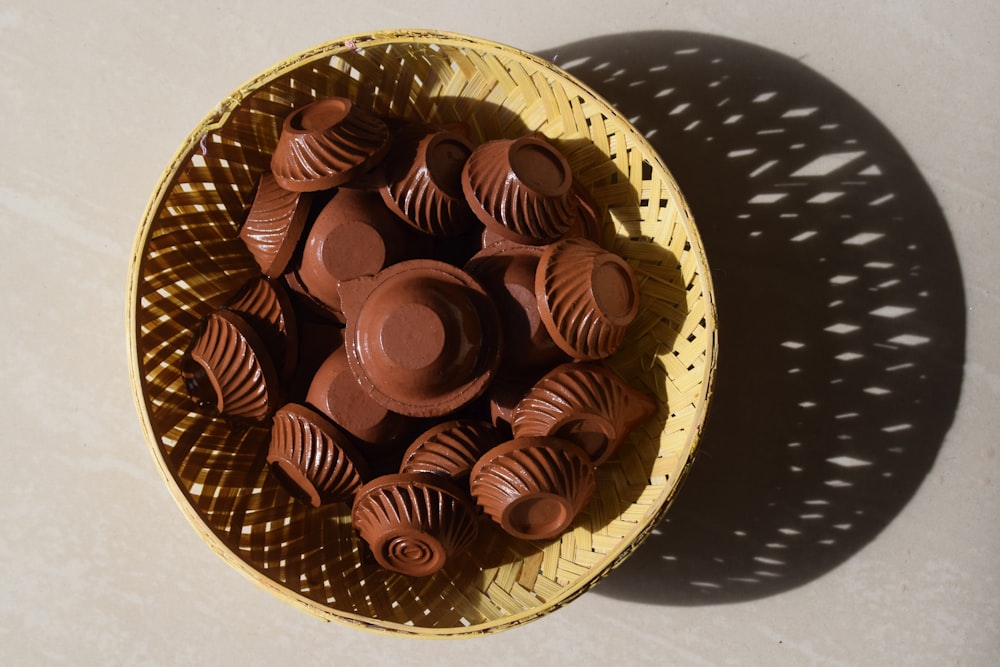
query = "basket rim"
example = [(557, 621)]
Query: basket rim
[(217, 118)]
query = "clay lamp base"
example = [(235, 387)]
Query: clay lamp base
[(354, 235), (533, 487), (335, 392), (507, 271), (414, 523), (423, 181), (586, 403), (587, 297), (326, 143), (520, 189), (312, 458), (422, 337), (227, 369)]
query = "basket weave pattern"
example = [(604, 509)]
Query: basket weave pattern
[(188, 259)]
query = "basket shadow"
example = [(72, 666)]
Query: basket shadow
[(841, 311)]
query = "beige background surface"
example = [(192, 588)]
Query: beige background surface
[(98, 566)]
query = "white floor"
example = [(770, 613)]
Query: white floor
[(97, 564)]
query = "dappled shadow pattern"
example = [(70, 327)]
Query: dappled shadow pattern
[(841, 313)]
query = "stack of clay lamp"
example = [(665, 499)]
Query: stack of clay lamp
[(426, 335)]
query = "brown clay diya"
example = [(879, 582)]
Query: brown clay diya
[(521, 189), (354, 235), (327, 143), (312, 458), (227, 369), (414, 523), (274, 225), (267, 307), (587, 297), (422, 337), (451, 448), (335, 392), (586, 403), (586, 222), (534, 487), (423, 180), (507, 272)]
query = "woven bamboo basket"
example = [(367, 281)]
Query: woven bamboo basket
[(188, 259)]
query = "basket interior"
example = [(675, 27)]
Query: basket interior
[(189, 259)]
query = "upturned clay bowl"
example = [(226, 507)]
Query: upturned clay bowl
[(228, 369), (422, 337), (267, 307), (423, 180), (534, 486), (414, 523), (586, 403), (451, 448), (586, 223), (274, 225), (506, 271), (354, 235), (312, 458), (521, 189), (335, 392), (587, 297), (326, 143)]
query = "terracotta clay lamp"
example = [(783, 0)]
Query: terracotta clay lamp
[(520, 189), (451, 448), (267, 307), (335, 392), (274, 225), (586, 403), (422, 337), (228, 369), (326, 143), (354, 235), (587, 297), (507, 271), (585, 223), (423, 180), (414, 523), (312, 458), (533, 487)]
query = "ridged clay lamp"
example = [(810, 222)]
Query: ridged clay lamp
[(228, 369), (327, 143), (451, 448), (267, 307), (313, 459), (520, 189), (586, 403), (274, 225), (507, 271), (414, 523), (587, 297), (423, 180), (533, 487), (422, 337), (586, 222)]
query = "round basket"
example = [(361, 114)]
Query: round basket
[(188, 258)]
